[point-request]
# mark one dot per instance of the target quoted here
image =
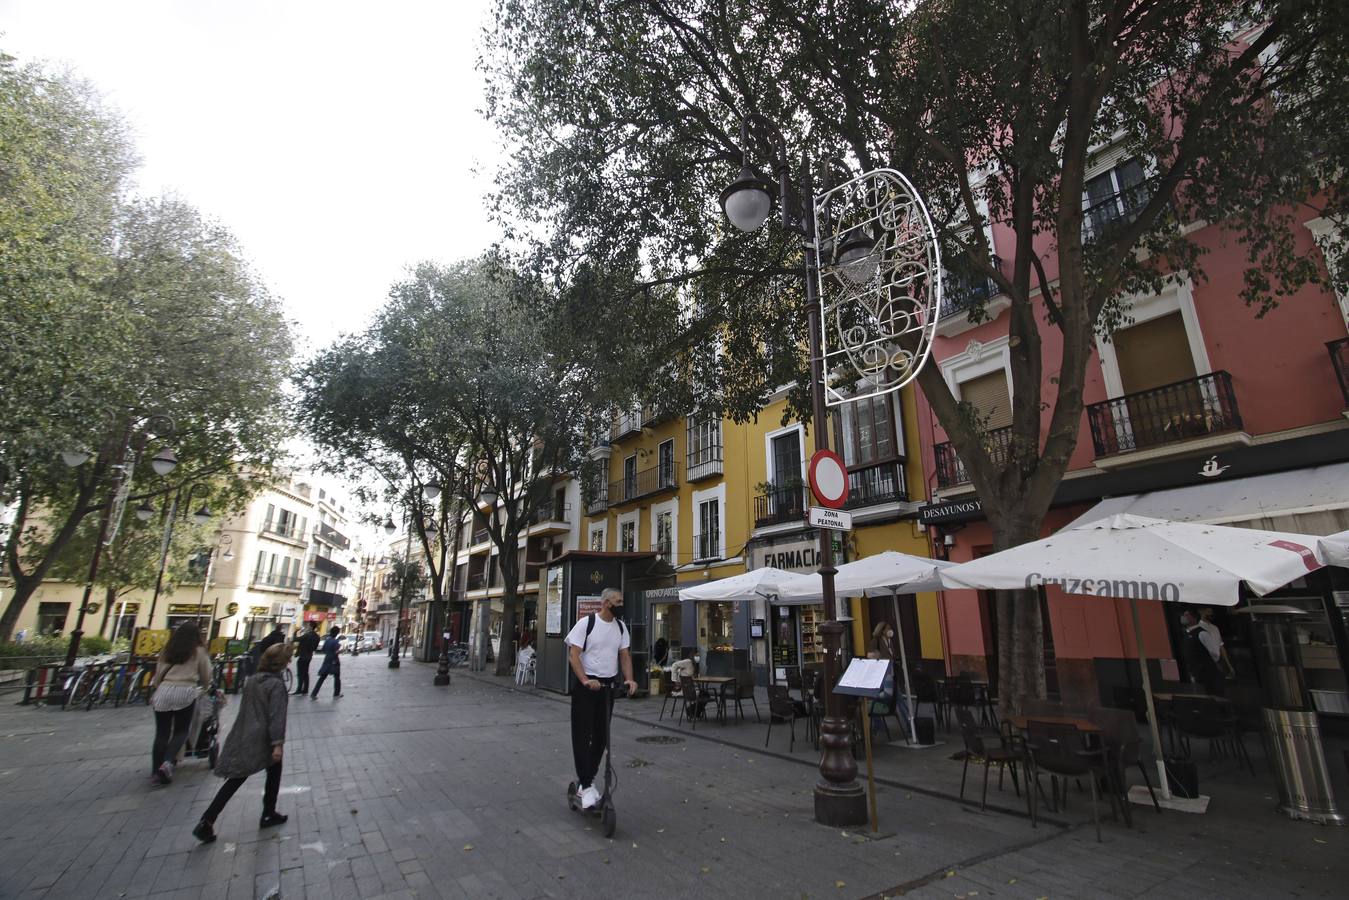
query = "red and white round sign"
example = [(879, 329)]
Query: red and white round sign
[(828, 479)]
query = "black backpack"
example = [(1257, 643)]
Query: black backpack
[(590, 626)]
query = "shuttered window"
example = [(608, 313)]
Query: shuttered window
[(988, 395)]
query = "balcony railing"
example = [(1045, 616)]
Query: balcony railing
[(704, 462), (290, 532), (1339, 358), (881, 483), (963, 292), (273, 580), (1193, 408), (598, 503), (330, 568), (332, 536), (664, 549), (626, 423), (551, 512), (326, 598), (1113, 211), (780, 504), (644, 483), (950, 469), (481, 536), (706, 546), (477, 581)]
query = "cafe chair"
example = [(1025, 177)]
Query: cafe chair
[(1208, 717), (1005, 756), (1119, 730), (694, 706), (1062, 751), (781, 708), (925, 691), (740, 690), (669, 693)]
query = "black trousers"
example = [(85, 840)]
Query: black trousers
[(589, 728), (337, 680), (271, 787), (302, 674), (170, 734)]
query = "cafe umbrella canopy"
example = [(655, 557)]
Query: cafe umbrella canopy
[(889, 572), (1334, 549), (762, 582), (1136, 558)]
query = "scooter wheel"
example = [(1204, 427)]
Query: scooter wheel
[(571, 796), (608, 819)]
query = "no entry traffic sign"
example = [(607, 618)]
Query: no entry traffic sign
[(828, 479)]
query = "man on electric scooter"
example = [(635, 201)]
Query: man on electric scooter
[(598, 646)]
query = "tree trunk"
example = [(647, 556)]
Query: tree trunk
[(506, 656), (109, 600), (24, 588), (1021, 669)]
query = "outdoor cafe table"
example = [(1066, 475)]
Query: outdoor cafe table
[(1086, 726), (717, 682)]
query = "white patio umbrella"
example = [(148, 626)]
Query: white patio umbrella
[(1137, 558), (757, 583), (889, 572), (1334, 549)]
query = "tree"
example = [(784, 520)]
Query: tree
[(623, 120), (62, 342), (209, 349), (462, 373)]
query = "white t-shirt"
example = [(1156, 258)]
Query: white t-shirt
[(600, 656)]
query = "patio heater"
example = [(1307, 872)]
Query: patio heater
[(1292, 731)]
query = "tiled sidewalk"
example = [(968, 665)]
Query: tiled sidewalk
[(404, 789)]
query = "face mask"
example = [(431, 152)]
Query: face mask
[(616, 610)]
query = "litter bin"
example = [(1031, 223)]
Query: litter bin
[(1292, 731)]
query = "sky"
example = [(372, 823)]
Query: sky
[(340, 142)]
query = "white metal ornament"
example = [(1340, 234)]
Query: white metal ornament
[(880, 285)]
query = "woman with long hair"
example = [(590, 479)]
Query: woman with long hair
[(182, 674), (254, 743)]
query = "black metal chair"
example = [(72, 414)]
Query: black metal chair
[(781, 707), (694, 706), (1005, 756), (1061, 750), (1119, 729), (925, 691), (740, 690), (667, 696), (1208, 717)]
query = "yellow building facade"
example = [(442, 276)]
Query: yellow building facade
[(712, 498)]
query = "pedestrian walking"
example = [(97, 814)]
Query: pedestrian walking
[(305, 645), (1201, 652), (598, 645), (275, 636), (331, 665), (254, 743), (182, 674)]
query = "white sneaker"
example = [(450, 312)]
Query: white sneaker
[(590, 798)]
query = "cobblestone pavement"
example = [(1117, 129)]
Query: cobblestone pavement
[(402, 789)]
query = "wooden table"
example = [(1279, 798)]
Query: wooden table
[(1167, 698), (717, 682), (1087, 726)]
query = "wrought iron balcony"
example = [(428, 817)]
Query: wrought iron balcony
[(645, 483), (599, 502), (780, 504), (706, 546), (1339, 358), (326, 598), (552, 511), (961, 292), (1118, 209), (950, 469), (874, 485), (276, 581), (330, 568), (1196, 407), (704, 462), (481, 536), (626, 423), (477, 581), (287, 532), (332, 536)]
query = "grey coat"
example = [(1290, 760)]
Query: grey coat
[(259, 726)]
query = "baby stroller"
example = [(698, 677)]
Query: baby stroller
[(203, 736)]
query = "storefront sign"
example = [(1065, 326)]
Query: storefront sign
[(833, 519), (149, 641), (662, 595), (187, 609), (951, 511), (261, 611), (232, 609), (801, 553)]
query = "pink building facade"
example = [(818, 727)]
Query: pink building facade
[(1196, 410)]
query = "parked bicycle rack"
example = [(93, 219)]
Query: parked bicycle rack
[(40, 681)]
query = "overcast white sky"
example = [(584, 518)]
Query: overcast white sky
[(338, 141)]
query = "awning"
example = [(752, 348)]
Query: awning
[(1306, 501)]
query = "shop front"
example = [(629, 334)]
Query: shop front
[(189, 613), (785, 636)]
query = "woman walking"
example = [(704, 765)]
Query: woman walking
[(254, 743), (182, 674), (331, 665)]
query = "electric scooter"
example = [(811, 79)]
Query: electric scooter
[(605, 809)]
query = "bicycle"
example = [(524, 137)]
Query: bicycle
[(101, 692), (77, 686), (139, 690)]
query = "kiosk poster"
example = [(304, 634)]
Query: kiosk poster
[(587, 604), (553, 602)]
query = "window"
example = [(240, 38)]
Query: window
[(665, 534), (597, 537), (988, 395), (665, 460), (51, 617), (262, 563), (1115, 195), (1153, 353), (708, 540), (271, 514), (865, 431), (704, 446), (786, 458), (627, 537), (629, 477)]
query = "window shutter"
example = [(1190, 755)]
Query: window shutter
[(988, 394)]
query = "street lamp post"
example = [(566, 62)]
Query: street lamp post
[(390, 528), (224, 545), (163, 463), (200, 517), (747, 202)]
